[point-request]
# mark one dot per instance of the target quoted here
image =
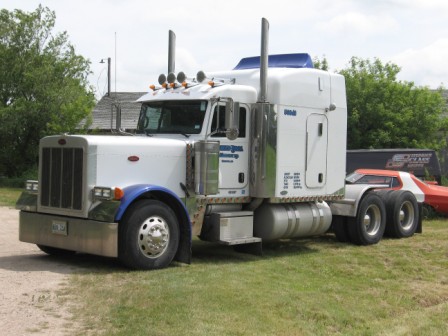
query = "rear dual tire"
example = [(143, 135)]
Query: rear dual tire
[(402, 214), (394, 213), (368, 226)]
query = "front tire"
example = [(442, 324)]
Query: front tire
[(148, 235), (370, 222)]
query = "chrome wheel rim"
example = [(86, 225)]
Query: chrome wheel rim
[(153, 237), (372, 220), (406, 216)]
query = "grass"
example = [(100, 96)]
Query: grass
[(299, 287), (9, 196)]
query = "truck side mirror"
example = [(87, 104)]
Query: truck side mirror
[(232, 119)]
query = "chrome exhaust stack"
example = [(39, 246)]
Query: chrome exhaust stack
[(264, 136), (264, 57), (171, 52)]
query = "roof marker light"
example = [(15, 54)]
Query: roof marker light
[(215, 82), (156, 87)]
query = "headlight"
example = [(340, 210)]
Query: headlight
[(102, 193), (32, 186), (106, 193)]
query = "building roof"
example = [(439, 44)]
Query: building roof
[(104, 113)]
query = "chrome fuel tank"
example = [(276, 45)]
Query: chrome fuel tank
[(291, 220)]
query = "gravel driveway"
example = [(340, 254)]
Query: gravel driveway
[(31, 285)]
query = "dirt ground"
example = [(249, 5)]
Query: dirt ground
[(32, 285)]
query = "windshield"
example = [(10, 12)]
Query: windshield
[(353, 177), (173, 116)]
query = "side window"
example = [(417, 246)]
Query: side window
[(395, 182), (373, 179), (221, 125)]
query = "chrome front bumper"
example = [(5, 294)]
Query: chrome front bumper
[(81, 235)]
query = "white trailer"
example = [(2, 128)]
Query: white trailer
[(236, 157)]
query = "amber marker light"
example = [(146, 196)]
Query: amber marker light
[(211, 83), (152, 87), (118, 194)]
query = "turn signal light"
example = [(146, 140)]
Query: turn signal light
[(118, 194)]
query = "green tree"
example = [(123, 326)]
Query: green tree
[(386, 113), (43, 86), (321, 64)]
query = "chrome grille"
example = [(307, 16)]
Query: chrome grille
[(61, 178)]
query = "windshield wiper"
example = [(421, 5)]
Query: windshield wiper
[(179, 132), (148, 133)]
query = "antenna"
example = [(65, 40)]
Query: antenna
[(115, 64)]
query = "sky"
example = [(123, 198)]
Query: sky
[(214, 35)]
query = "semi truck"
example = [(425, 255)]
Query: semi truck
[(238, 157)]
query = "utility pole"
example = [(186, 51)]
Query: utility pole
[(108, 76)]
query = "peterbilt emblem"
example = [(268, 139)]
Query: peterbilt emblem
[(133, 158)]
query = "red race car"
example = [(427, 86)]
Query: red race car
[(434, 197)]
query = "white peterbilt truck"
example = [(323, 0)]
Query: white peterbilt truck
[(236, 157)]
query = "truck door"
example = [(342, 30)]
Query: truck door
[(233, 154), (316, 151)]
